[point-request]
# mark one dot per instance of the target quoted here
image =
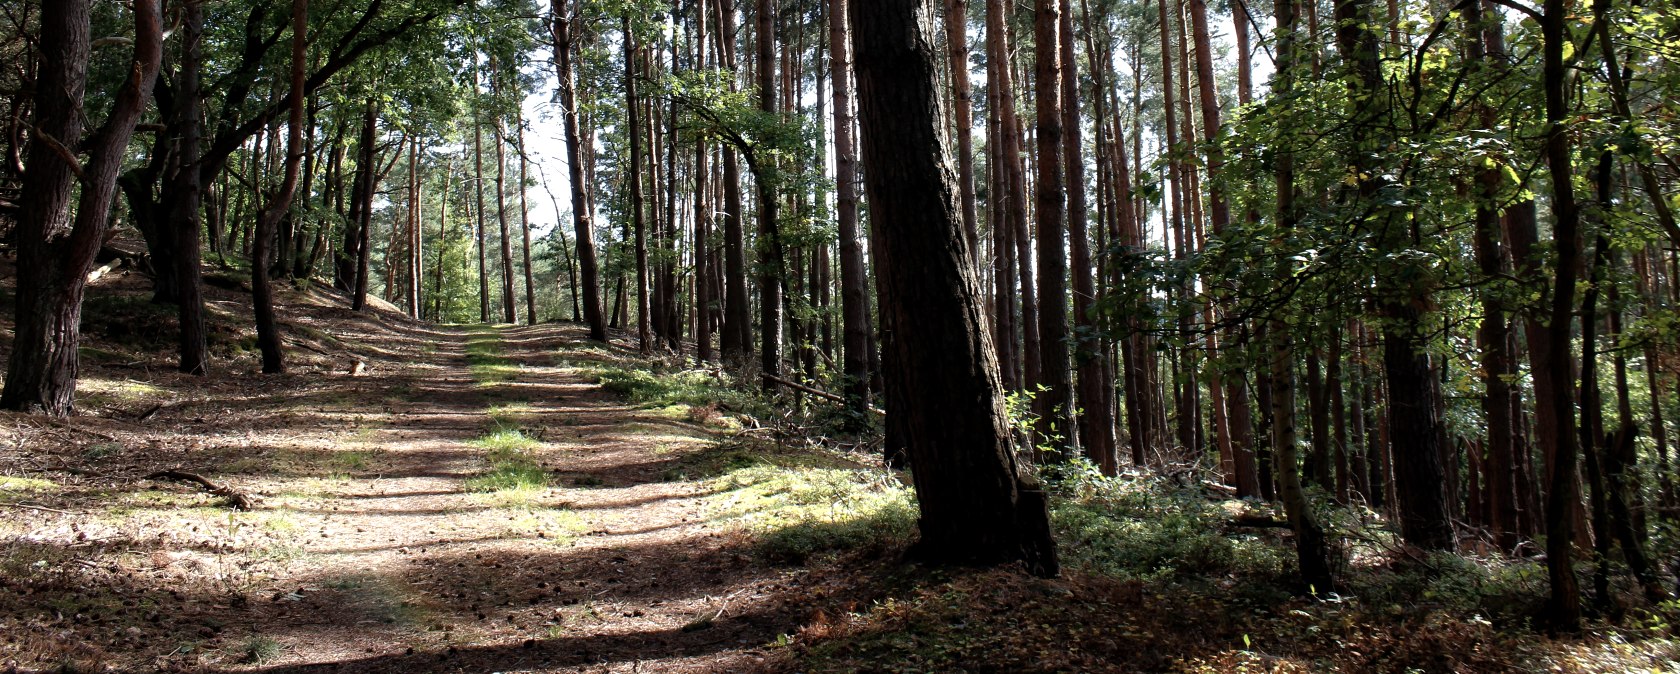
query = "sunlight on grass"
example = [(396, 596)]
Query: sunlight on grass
[(797, 512), (26, 485), (101, 391), (514, 473)]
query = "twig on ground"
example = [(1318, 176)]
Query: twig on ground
[(237, 500)]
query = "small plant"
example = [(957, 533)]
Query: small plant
[(260, 650)]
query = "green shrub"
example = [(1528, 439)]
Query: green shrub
[(1148, 528)]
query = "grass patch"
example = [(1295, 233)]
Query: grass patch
[(514, 474), (259, 649), (1147, 529), (485, 358), (798, 511), (26, 485), (97, 391), (674, 391)]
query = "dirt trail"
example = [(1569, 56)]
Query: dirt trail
[(379, 547)]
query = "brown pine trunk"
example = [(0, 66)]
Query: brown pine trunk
[(54, 251), (772, 276), (364, 221), (854, 301), (976, 506), (262, 293), (582, 221), (1054, 403), (638, 222), (500, 128)]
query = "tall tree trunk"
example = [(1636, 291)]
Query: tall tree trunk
[(736, 340), (956, 42), (632, 106), (1054, 403), (703, 299), (1096, 420), (187, 217), (589, 283), (772, 275), (262, 292), (370, 187), (854, 302), (525, 223), (54, 251), (1564, 607), (508, 302), (977, 507)]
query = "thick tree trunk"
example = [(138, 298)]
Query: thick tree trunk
[(509, 315), (976, 505), (772, 275), (54, 251), (1564, 607), (1096, 419), (370, 187)]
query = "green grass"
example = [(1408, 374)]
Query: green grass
[(485, 359), (796, 510), (260, 650), (675, 393), (1148, 529), (514, 474), (26, 485)]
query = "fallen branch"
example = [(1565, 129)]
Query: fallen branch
[(44, 509), (237, 500), (825, 395)]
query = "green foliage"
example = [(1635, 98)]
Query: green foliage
[(658, 387), (1147, 528), (797, 511)]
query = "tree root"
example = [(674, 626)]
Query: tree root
[(235, 499)]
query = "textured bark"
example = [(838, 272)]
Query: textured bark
[(1493, 338), (854, 285), (186, 218), (262, 292), (589, 282), (1095, 419), (976, 506), (772, 278), (703, 298), (508, 302), (962, 101), (364, 221), (1054, 403), (54, 251)]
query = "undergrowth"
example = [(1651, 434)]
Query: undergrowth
[(798, 505)]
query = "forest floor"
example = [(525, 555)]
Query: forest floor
[(517, 499)]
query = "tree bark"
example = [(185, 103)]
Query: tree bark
[(589, 282), (1054, 403), (54, 251), (977, 507)]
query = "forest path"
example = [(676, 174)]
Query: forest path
[(469, 501), (511, 516)]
